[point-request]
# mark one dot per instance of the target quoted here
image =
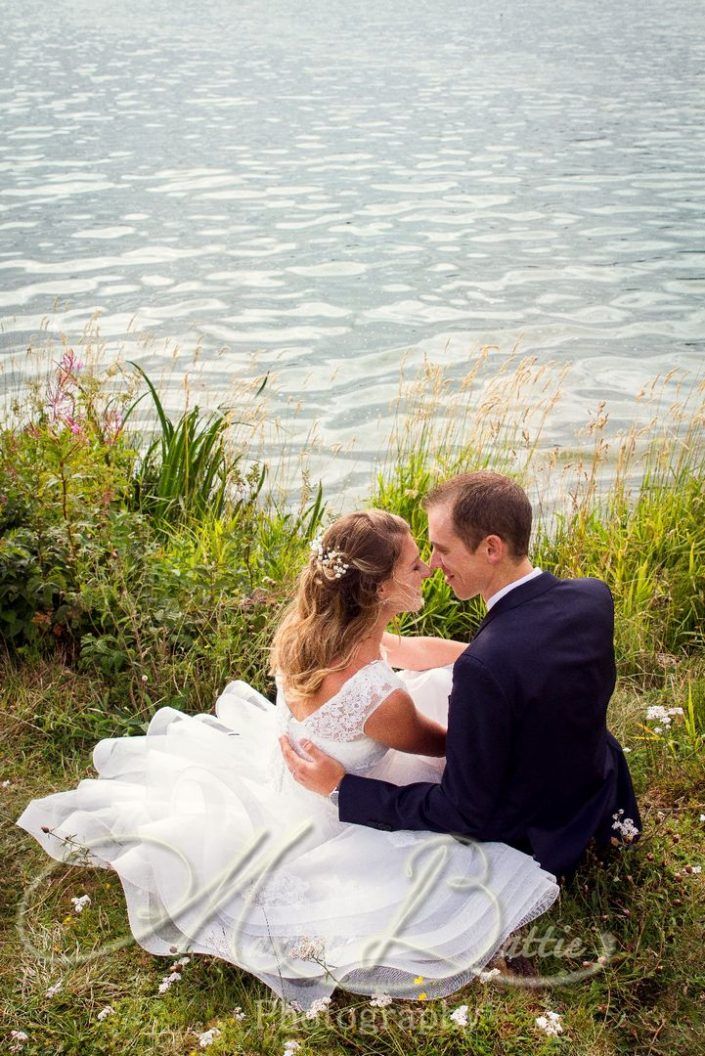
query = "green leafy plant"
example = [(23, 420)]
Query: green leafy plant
[(187, 471)]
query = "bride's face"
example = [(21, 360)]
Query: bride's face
[(402, 592)]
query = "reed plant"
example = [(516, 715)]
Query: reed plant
[(187, 471)]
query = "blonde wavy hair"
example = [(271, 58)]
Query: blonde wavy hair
[(328, 617)]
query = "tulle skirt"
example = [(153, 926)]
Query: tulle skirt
[(219, 852)]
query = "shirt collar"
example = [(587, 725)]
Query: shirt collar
[(510, 586)]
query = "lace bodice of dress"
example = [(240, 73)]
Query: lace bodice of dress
[(337, 726)]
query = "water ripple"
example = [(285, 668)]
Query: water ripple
[(319, 191)]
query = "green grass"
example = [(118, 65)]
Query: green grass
[(111, 608)]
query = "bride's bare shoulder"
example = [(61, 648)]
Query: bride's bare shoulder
[(331, 685)]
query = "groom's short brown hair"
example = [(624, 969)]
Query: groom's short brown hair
[(486, 503)]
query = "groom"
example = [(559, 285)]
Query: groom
[(529, 759)]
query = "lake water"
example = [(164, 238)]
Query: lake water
[(321, 189)]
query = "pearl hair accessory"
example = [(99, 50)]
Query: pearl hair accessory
[(332, 561)]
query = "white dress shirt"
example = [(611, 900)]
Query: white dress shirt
[(510, 586)]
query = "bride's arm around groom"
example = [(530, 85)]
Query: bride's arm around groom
[(420, 653)]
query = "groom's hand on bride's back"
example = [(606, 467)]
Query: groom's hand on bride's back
[(318, 773)]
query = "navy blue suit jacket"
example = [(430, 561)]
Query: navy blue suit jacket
[(529, 760)]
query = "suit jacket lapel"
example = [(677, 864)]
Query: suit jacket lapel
[(518, 596)]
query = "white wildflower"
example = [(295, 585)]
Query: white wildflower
[(291, 1046), (460, 1016), (696, 868), (237, 1013), (318, 1006), (626, 750), (624, 826), (105, 1012), (79, 904), (308, 949), (6, 784), (663, 716), (17, 1039), (168, 981), (550, 1024), (381, 1000), (702, 817), (208, 1037), (491, 974), (53, 990)]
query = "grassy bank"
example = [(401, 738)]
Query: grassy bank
[(134, 576)]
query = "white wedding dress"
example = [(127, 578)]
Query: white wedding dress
[(220, 851)]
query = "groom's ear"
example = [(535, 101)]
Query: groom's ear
[(495, 548)]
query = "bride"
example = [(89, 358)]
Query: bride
[(219, 851)]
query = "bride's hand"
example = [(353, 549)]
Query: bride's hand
[(320, 773)]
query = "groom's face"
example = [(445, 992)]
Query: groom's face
[(465, 570)]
